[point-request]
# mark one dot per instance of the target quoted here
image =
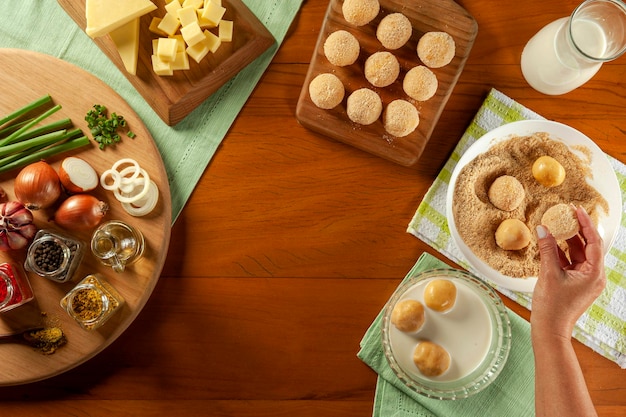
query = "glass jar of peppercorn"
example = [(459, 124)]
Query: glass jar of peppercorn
[(15, 289), (54, 256)]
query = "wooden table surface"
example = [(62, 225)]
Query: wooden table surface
[(291, 244)]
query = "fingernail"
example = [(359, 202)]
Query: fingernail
[(541, 232), (583, 209)]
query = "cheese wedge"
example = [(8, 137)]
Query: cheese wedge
[(126, 40), (103, 16)]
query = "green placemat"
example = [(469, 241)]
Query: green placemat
[(511, 394), (603, 326), (188, 147)]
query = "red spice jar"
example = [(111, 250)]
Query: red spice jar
[(15, 289)]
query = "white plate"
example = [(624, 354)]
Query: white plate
[(604, 180)]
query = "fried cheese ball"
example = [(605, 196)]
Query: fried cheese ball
[(382, 69), (394, 30), (364, 106), (326, 91), (506, 193), (513, 234), (440, 295), (431, 359), (408, 315), (360, 12), (561, 221), (341, 48), (400, 118), (420, 83), (436, 49)]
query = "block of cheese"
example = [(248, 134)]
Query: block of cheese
[(169, 24), (192, 34), (126, 40), (161, 67), (187, 15), (166, 49), (226, 30), (213, 13), (103, 16), (213, 41)]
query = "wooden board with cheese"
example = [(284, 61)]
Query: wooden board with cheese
[(131, 48)]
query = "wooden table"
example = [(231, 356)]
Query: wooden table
[(292, 243)]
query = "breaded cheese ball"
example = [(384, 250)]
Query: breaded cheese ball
[(431, 359), (548, 171), (513, 234), (408, 315), (326, 91), (394, 30), (364, 106), (506, 193), (420, 83), (341, 48), (360, 12), (400, 118), (436, 49), (561, 221), (440, 295), (382, 69)]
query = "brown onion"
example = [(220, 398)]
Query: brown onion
[(77, 175), (37, 186), (16, 226), (80, 212)]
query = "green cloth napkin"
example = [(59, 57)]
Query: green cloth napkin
[(188, 147), (511, 394), (603, 326)]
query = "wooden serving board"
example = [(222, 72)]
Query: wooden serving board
[(425, 16), (174, 97), (28, 76)]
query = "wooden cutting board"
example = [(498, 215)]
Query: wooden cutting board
[(174, 97), (425, 16), (27, 76)]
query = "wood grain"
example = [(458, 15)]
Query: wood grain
[(174, 97), (426, 16), (291, 244), (32, 75)]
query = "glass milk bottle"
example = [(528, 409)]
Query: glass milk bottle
[(568, 52)]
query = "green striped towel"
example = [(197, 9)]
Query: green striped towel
[(603, 326)]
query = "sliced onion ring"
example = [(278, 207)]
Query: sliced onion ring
[(131, 199), (144, 205), (117, 179), (135, 169)]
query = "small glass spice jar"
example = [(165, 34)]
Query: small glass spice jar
[(54, 256), (92, 302), (15, 289)]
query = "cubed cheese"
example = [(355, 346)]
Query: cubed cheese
[(192, 34), (202, 21), (226, 30), (126, 40), (196, 4), (181, 62), (187, 15), (154, 26), (218, 2), (180, 42), (103, 16), (169, 24), (166, 49), (198, 51), (173, 7), (160, 67), (213, 13), (212, 41)]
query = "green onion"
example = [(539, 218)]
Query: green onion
[(103, 128), (13, 136), (45, 153), (35, 105)]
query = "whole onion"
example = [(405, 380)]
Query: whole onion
[(80, 212), (16, 226), (37, 186)]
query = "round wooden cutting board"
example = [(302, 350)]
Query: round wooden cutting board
[(27, 76)]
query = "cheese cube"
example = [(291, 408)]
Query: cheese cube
[(166, 49), (212, 41), (160, 67), (196, 4), (180, 42), (187, 15), (204, 23), (173, 7), (213, 13), (181, 62), (192, 34), (226, 30), (198, 51), (169, 24), (154, 26), (218, 2)]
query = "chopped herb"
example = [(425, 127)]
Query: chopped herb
[(104, 128)]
